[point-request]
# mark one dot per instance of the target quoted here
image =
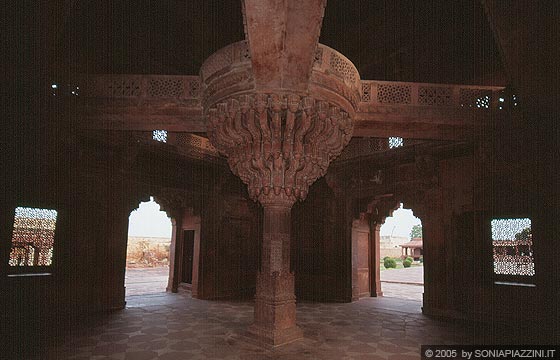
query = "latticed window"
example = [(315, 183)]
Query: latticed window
[(483, 102), (395, 142), (512, 241), (159, 135), (33, 237)]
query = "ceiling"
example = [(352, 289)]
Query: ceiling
[(420, 41)]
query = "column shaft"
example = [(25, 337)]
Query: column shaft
[(275, 302)]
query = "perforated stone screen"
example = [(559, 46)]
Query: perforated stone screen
[(394, 94), (166, 87), (479, 98), (395, 141), (159, 135), (342, 68), (33, 237), (512, 242), (366, 92), (435, 96), (128, 87)]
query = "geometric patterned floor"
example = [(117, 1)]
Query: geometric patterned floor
[(175, 326)]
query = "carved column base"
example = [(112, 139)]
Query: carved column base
[(275, 310)]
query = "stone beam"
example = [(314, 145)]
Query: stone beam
[(425, 111), (410, 123), (415, 123), (384, 109), (139, 103), (128, 115), (282, 37)]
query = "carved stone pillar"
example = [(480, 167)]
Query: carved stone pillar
[(278, 145), (279, 140), (275, 302)]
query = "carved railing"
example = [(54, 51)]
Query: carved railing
[(330, 65), (140, 86), (229, 71), (329, 60), (429, 95), (220, 61)]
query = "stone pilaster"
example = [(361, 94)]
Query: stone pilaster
[(375, 261)]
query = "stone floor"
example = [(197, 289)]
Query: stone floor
[(403, 291), (175, 326), (411, 275), (403, 283), (141, 281)]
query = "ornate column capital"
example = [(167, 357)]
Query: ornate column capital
[(278, 142)]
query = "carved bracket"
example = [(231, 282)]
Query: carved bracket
[(277, 142)]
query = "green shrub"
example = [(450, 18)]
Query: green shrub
[(389, 263), (385, 258), (407, 263), (421, 259), (410, 259)]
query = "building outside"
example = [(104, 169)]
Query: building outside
[(390, 245), (413, 249)]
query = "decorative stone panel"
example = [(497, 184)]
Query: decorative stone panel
[(366, 92), (435, 96), (195, 88), (343, 68), (394, 94), (475, 97), (120, 87), (165, 87)]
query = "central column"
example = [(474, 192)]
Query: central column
[(278, 144), (275, 302), (279, 137)]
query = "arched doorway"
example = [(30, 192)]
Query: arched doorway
[(148, 250), (401, 254)]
